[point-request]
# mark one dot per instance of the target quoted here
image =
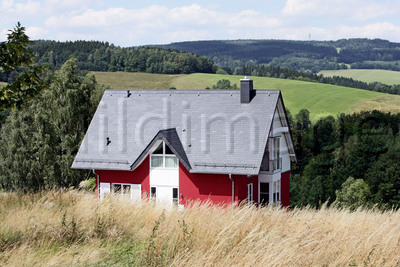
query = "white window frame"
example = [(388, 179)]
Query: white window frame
[(131, 195), (250, 193), (105, 189), (164, 156), (274, 191)]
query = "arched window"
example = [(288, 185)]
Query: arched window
[(163, 157)]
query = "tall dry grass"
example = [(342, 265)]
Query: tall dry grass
[(73, 228)]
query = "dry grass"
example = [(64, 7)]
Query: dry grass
[(72, 228), (385, 103)]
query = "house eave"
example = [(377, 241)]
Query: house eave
[(226, 171)]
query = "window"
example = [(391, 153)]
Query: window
[(122, 189), (265, 160), (128, 191), (250, 193), (277, 153), (153, 192), (266, 188), (116, 188), (163, 157), (264, 193), (175, 198)]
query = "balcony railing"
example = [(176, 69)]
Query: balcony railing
[(272, 165)]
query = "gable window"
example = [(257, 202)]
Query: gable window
[(163, 157), (277, 159)]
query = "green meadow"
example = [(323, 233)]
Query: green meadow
[(368, 76), (320, 99)]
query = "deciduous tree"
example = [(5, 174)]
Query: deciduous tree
[(38, 143)]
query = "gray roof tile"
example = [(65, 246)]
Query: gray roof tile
[(211, 132)]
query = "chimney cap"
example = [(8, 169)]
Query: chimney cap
[(246, 78)]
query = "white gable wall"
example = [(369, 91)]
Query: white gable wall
[(164, 177), (279, 129)]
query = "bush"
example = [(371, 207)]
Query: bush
[(89, 184), (354, 194)]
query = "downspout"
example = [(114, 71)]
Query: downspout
[(233, 188), (98, 183)]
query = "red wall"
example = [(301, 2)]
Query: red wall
[(140, 175), (285, 189), (197, 186), (214, 187)]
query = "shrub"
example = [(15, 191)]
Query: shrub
[(89, 184)]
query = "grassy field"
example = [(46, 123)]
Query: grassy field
[(383, 76), (320, 99), (74, 229), (135, 80), (2, 84)]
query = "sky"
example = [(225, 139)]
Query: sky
[(133, 23)]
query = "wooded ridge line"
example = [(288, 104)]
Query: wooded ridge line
[(312, 56), (296, 60)]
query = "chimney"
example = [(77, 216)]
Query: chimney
[(246, 90)]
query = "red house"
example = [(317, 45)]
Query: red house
[(175, 146)]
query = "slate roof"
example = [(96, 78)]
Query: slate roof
[(209, 130)]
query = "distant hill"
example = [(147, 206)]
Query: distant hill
[(320, 99), (299, 55), (102, 56)]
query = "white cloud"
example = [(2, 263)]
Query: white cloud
[(6, 4), (163, 23), (36, 33), (377, 30), (189, 35), (3, 35), (348, 9), (30, 8), (383, 30), (181, 23)]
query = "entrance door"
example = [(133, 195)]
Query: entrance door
[(164, 195)]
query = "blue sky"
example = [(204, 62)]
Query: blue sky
[(131, 23)]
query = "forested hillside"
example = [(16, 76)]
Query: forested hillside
[(298, 55), (350, 160), (99, 56)]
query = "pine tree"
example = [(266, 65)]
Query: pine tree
[(16, 56)]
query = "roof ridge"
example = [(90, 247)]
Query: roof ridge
[(187, 91)]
